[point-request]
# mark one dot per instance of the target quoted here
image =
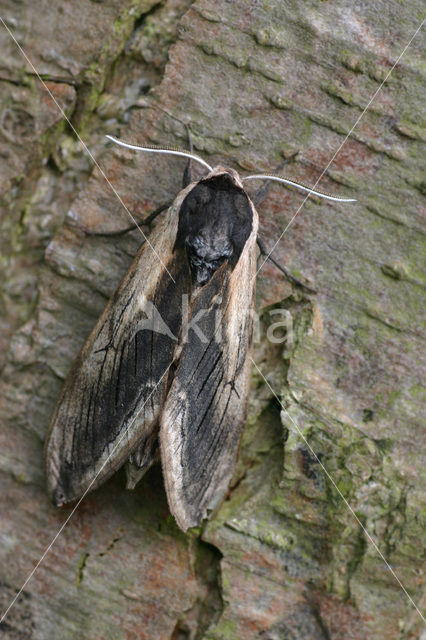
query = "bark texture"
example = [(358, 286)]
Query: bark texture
[(256, 80)]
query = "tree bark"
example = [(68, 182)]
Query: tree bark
[(322, 525)]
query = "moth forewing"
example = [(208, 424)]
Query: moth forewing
[(114, 393), (206, 406)]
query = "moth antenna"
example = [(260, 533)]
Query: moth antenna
[(170, 150), (327, 196)]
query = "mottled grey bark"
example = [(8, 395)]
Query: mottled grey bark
[(284, 557)]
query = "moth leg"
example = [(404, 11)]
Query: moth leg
[(141, 223), (284, 270), (187, 174), (262, 192)]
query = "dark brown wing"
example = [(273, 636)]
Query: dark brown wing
[(206, 407), (114, 392)]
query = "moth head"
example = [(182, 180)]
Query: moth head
[(229, 175), (215, 221)]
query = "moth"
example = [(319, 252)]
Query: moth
[(165, 371)]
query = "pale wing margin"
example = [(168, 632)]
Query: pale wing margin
[(115, 389), (206, 406)]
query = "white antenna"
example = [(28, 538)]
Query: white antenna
[(186, 154), (299, 186), (171, 150)]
